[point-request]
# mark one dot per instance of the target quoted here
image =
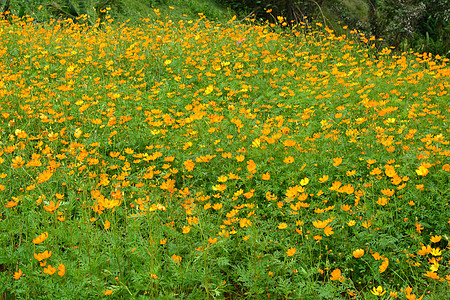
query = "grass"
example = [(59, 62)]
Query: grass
[(196, 159)]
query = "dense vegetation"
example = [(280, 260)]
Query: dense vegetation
[(421, 25), (176, 158)]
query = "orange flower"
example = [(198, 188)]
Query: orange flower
[(321, 224), (107, 292), (335, 186), (41, 238), (289, 143), (436, 238), (382, 201), (44, 255), (186, 229), (266, 176), (323, 179), (337, 161), (52, 206), (107, 224), (251, 166), (240, 157), (50, 270), (291, 251), (61, 270), (328, 231), (11, 204), (217, 206), (44, 176), (419, 227), (358, 253), (432, 275), (176, 259), (288, 160), (17, 274), (387, 192), (390, 171), (336, 274), (346, 207), (189, 165), (244, 222), (17, 162), (384, 265), (367, 224), (425, 250), (21, 134)]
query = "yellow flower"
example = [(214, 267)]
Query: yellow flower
[(378, 291), (77, 133), (422, 171), (304, 181), (282, 226), (436, 252)]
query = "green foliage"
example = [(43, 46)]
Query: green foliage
[(78, 12)]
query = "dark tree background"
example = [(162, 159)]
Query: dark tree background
[(421, 25)]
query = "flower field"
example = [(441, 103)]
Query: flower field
[(196, 160)]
